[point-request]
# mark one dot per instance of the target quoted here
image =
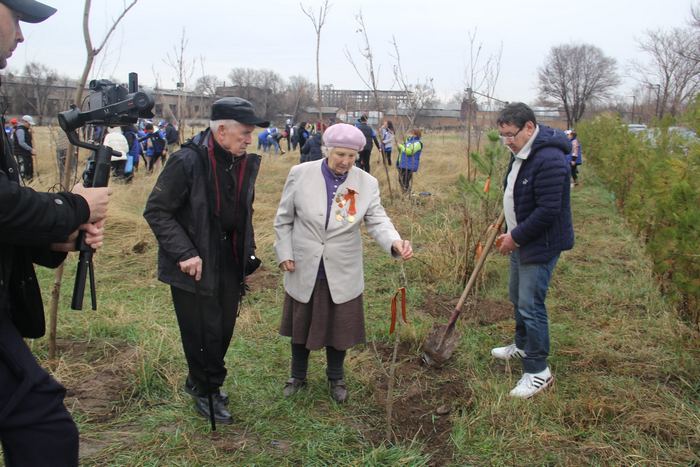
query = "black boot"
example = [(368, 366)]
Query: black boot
[(339, 391), (192, 390), (292, 386), (221, 415)]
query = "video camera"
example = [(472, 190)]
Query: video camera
[(108, 105)]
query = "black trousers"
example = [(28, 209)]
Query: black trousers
[(35, 427), (363, 160), (405, 178), (216, 315)]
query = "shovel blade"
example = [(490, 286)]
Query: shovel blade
[(440, 345)]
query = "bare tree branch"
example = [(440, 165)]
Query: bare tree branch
[(318, 25)]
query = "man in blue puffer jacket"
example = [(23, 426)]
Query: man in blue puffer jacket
[(538, 215)]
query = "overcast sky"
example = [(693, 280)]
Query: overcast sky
[(433, 38)]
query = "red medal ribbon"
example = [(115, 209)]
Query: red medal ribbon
[(402, 291)]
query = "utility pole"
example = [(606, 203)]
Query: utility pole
[(634, 102), (658, 97)]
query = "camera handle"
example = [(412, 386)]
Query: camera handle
[(100, 178)]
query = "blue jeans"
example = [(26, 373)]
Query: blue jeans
[(528, 289)]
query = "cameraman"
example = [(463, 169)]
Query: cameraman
[(35, 427)]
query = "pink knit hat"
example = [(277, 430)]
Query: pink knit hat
[(342, 135)]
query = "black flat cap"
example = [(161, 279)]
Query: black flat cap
[(235, 108), (29, 11)]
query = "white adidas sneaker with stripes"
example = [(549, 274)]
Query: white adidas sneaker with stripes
[(532, 383), (507, 352)]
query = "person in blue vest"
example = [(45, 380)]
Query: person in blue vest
[(409, 159), (537, 209), (156, 149)]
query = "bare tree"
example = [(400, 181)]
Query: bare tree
[(318, 25), (262, 87), (670, 72), (183, 68), (299, 93), (481, 77), (37, 84), (72, 155), (371, 79), (92, 52), (418, 96), (206, 85), (576, 75)]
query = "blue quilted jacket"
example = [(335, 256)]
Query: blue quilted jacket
[(542, 203)]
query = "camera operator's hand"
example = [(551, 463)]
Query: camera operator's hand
[(192, 267), (94, 236), (97, 199)]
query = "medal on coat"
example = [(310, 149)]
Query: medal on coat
[(346, 205)]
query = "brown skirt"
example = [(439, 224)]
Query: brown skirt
[(321, 322)]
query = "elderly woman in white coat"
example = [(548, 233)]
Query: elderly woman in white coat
[(319, 247)]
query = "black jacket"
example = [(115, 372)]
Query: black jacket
[(181, 213), (369, 135), (29, 223), (312, 149)]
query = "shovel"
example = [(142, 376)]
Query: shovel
[(442, 340)]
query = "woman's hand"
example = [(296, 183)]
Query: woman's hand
[(287, 265), (403, 248)]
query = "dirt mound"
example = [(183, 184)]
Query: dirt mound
[(104, 376), (262, 279), (478, 311), (424, 401)]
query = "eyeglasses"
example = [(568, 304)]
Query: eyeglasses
[(505, 138)]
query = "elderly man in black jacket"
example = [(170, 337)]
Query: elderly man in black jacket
[(35, 427), (201, 210)]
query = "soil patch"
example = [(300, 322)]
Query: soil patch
[(425, 399), (103, 376), (262, 279), (481, 311)]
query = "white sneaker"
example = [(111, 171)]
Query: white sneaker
[(507, 352), (532, 383)]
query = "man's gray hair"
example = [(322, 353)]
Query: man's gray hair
[(215, 124)]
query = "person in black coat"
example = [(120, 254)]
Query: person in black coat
[(312, 149), (35, 427), (201, 211)]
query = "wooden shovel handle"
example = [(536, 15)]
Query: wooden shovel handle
[(493, 232)]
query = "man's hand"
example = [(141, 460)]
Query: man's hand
[(94, 236), (97, 199), (505, 244), (287, 265), (403, 248), (192, 267)]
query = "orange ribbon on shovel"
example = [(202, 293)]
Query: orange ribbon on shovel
[(402, 291)]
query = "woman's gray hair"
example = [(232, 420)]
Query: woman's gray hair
[(326, 151), (215, 124)]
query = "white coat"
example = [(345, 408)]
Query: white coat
[(301, 236)]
